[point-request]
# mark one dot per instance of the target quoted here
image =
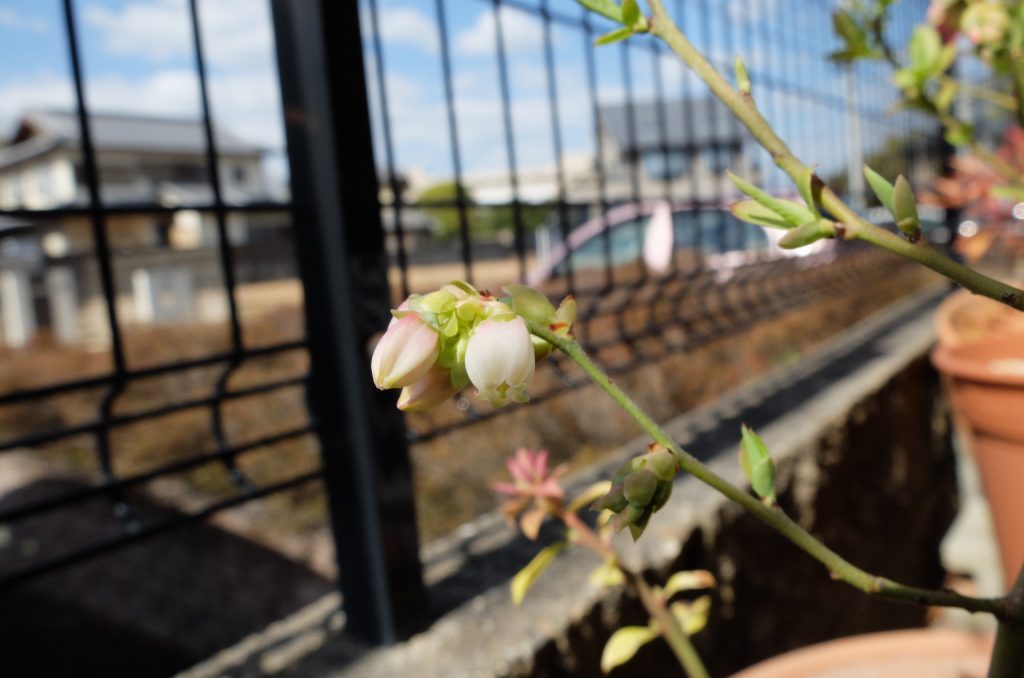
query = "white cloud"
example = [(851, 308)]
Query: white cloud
[(520, 32), (40, 91), (245, 105), (12, 18), (404, 26), (235, 34), (419, 124), (239, 49), (157, 30), (752, 12)]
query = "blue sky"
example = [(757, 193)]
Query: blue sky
[(138, 58)]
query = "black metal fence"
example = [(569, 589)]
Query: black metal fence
[(647, 136), (651, 135)]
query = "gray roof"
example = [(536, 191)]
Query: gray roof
[(10, 226), (41, 131), (694, 122)]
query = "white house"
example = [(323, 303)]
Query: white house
[(166, 267), (141, 160)]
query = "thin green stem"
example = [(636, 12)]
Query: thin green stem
[(840, 568), (854, 226), (656, 606), (1018, 73), (671, 631), (996, 98)]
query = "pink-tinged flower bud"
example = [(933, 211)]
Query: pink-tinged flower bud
[(430, 391), (985, 22), (500, 360), (405, 353)]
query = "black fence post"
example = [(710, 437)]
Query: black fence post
[(340, 241)]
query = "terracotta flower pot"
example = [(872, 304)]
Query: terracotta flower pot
[(965, 318), (937, 653), (986, 381)]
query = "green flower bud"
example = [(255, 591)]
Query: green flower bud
[(640, 486), (627, 468), (661, 495), (662, 463), (637, 527), (614, 501), (628, 516)]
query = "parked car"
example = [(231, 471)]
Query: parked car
[(653, 232)]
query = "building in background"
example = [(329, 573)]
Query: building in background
[(647, 150), (141, 160), (166, 259)]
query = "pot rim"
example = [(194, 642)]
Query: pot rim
[(880, 645), (958, 362)]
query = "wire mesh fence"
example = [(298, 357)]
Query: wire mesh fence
[(551, 158)]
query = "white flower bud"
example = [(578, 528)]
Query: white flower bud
[(500, 360)]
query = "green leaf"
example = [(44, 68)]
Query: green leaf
[(755, 213), (946, 96), (882, 188), (757, 464), (961, 135), (790, 211), (946, 58), (806, 187), (805, 234), (908, 78), (605, 8), (844, 56), (623, 645), (688, 581), (692, 616), (905, 208), (630, 12), (526, 577), (617, 35), (925, 48), (1008, 192), (848, 29), (607, 574), (742, 76), (530, 303)]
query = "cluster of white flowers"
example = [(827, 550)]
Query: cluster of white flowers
[(439, 343)]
